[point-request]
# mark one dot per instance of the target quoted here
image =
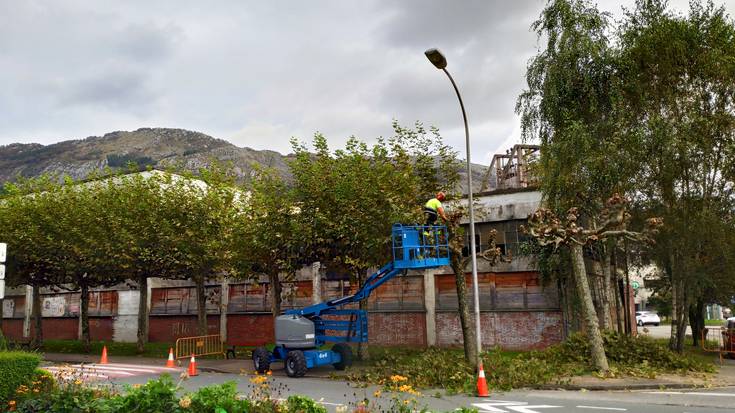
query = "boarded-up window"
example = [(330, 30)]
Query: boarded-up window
[(400, 294), (538, 296), (183, 300), (14, 307), (296, 294), (103, 303), (337, 289), (446, 291), (513, 291), (510, 291), (248, 298)]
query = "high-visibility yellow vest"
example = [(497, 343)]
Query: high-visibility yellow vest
[(434, 204)]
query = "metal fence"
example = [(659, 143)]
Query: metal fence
[(199, 346), (719, 340)]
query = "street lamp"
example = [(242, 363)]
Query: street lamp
[(437, 59)]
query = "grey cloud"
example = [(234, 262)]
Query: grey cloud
[(260, 72), (147, 41), (123, 90)]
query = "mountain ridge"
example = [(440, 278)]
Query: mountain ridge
[(158, 147)]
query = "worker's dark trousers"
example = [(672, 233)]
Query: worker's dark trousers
[(431, 216)]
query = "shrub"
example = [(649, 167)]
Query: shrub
[(155, 396), (45, 395), (303, 404), (16, 369), (209, 399)]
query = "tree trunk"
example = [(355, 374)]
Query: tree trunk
[(201, 306), (616, 290), (598, 294), (683, 318), (363, 351), (675, 314), (142, 313), (588, 310), (618, 307), (37, 318), (463, 308), (275, 290), (696, 321), (84, 311), (628, 298), (607, 293)]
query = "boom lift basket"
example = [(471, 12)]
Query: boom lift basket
[(420, 246)]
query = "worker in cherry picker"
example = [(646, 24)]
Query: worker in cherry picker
[(434, 209)]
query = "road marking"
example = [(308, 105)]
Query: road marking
[(691, 393), (602, 408), (106, 371), (114, 368), (520, 407)]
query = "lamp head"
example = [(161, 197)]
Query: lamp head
[(436, 58)]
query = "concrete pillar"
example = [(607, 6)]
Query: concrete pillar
[(224, 300), (316, 283), (27, 312), (430, 305)]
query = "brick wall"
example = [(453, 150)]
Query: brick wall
[(518, 330), (66, 328), (250, 329), (13, 328), (101, 328), (397, 329), (169, 328)]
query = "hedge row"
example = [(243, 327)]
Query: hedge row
[(16, 368)]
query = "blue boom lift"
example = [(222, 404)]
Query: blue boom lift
[(301, 332)]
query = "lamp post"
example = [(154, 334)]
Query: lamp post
[(438, 60)]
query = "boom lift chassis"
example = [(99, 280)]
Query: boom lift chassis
[(300, 333)]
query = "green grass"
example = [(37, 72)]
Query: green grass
[(157, 350), (714, 322)]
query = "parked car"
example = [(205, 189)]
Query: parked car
[(646, 317)]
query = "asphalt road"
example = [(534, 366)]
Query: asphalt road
[(334, 393), (661, 331)]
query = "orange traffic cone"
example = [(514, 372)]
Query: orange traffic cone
[(170, 361), (482, 384), (192, 367), (103, 360)]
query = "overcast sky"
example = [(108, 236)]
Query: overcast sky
[(259, 72)]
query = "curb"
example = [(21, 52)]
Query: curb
[(632, 386), (620, 387)]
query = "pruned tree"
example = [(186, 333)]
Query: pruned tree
[(549, 229)]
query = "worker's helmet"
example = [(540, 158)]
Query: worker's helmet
[(440, 195)]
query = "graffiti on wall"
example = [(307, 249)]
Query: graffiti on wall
[(8, 308), (181, 329), (54, 306)]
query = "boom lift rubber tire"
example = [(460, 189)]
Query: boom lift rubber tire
[(295, 363), (345, 352), (261, 360)]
